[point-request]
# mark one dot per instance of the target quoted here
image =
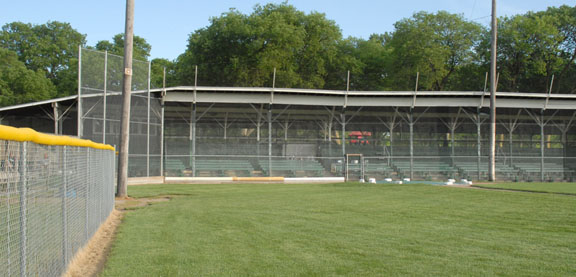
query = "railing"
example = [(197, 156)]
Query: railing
[(55, 191)]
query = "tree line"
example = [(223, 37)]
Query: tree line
[(307, 50)]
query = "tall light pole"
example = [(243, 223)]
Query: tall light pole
[(126, 92), (492, 162)]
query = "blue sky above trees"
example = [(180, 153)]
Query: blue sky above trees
[(167, 24)]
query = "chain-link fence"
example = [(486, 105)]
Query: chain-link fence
[(100, 110), (247, 140), (54, 194)]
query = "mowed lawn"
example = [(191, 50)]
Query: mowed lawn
[(567, 188), (346, 230)]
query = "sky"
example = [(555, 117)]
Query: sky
[(167, 24)]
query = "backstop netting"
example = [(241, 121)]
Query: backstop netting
[(100, 83), (54, 194)]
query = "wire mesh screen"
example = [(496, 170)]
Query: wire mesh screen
[(101, 108), (52, 200), (212, 140)]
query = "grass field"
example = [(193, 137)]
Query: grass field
[(568, 188), (345, 229)]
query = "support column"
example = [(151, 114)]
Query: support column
[(343, 138), (193, 139), (542, 124), (411, 124), (452, 146), (162, 160), (330, 122), (391, 154), (286, 126), (56, 117), (478, 141), (510, 146), (270, 140), (225, 127), (565, 152), (258, 124), (148, 124)]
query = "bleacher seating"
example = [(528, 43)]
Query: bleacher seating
[(552, 171), (293, 167), (174, 167), (422, 169), (469, 170), (137, 166), (223, 167)]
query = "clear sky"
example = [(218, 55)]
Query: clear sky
[(166, 24)]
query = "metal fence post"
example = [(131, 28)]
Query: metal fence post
[(64, 212), (23, 209), (87, 194)]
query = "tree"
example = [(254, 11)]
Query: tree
[(436, 45), (373, 56), (141, 47), (523, 58), (50, 48), (564, 18), (535, 46), (346, 59), (243, 50), (19, 84), (158, 66)]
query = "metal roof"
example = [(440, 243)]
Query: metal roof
[(291, 96), (317, 97)]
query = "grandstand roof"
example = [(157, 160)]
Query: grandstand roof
[(288, 96)]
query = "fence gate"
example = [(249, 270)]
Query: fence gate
[(354, 167)]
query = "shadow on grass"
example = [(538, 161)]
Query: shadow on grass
[(523, 190)]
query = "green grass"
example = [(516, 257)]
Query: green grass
[(567, 188), (346, 230)]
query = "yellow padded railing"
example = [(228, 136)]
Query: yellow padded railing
[(27, 134)]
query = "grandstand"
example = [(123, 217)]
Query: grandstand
[(261, 132)]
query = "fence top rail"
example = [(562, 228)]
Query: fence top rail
[(27, 134)]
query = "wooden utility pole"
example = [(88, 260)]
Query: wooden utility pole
[(492, 162), (126, 92)]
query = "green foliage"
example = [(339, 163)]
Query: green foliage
[(50, 48), (157, 74), (141, 49), (435, 45), (534, 46), (243, 50), (19, 84), (344, 230), (523, 52), (308, 51)]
